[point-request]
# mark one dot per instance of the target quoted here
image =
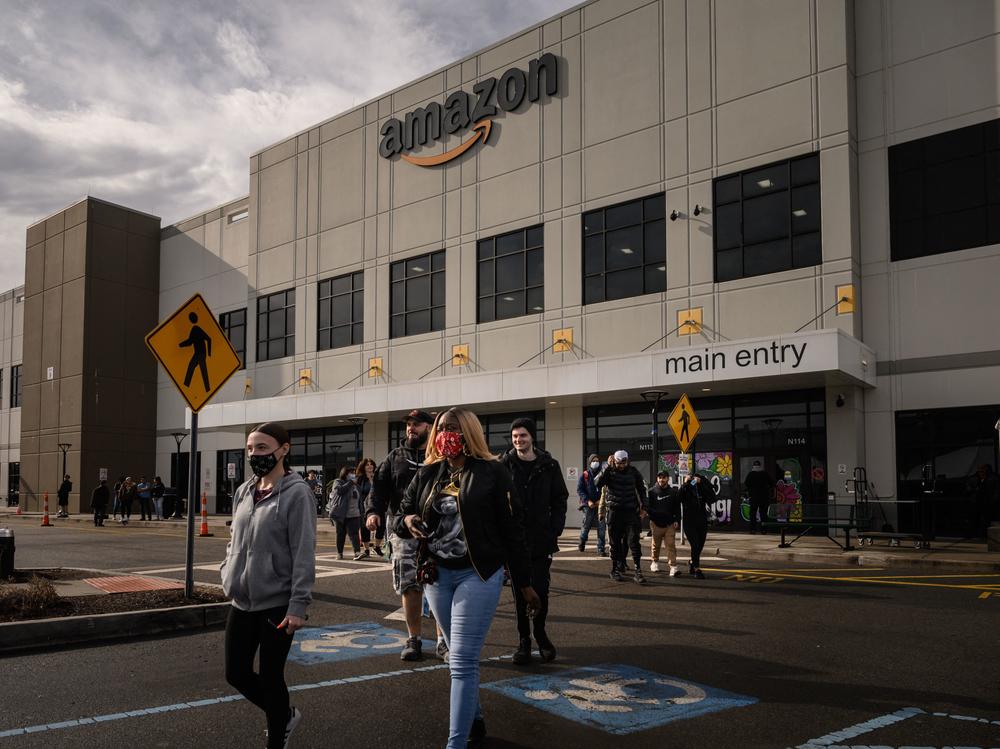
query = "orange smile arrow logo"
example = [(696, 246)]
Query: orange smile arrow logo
[(482, 132)]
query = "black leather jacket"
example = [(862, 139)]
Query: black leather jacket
[(491, 511), (544, 502), (391, 479)]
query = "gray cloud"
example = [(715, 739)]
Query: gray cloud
[(158, 105)]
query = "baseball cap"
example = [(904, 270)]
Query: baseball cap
[(621, 455), (419, 416)]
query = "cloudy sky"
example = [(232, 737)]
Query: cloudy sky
[(157, 105)]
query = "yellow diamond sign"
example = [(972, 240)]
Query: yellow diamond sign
[(683, 422), (195, 352)]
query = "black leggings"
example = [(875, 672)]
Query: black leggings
[(246, 633), (696, 535), (348, 527), (540, 578)]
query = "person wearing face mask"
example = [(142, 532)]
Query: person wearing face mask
[(624, 499), (589, 496), (382, 508), (345, 511), (696, 495), (269, 572), (464, 510)]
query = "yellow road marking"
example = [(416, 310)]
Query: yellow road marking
[(985, 595)]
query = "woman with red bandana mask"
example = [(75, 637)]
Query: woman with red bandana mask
[(462, 505)]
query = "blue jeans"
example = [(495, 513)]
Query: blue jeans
[(463, 607), (589, 521)]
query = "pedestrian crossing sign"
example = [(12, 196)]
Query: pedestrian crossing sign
[(683, 422), (194, 351)]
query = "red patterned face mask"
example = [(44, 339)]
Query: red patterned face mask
[(449, 444)]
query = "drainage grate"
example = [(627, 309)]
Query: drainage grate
[(132, 584)]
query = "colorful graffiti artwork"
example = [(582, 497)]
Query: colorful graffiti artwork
[(788, 497)]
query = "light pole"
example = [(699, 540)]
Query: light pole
[(178, 438), (64, 446), (653, 397)]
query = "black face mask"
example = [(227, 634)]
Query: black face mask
[(262, 465)]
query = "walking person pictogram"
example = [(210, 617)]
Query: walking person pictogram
[(685, 422), (201, 343)]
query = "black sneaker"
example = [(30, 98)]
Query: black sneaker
[(293, 721), (378, 550), (359, 556), (546, 649), (441, 651), (413, 650), (477, 734), (581, 547), (616, 576), (602, 552), (699, 574), (522, 656), (638, 578)]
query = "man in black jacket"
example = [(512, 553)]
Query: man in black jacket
[(539, 483), (390, 482), (63, 494), (696, 496), (626, 491), (663, 508), (760, 487)]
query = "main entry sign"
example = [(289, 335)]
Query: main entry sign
[(683, 422), (194, 351)]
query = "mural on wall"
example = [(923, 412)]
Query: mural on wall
[(717, 467), (787, 492)]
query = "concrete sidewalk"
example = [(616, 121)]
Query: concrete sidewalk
[(970, 556)]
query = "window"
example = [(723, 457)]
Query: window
[(15, 386), (234, 325), (625, 250), (341, 311), (13, 483), (509, 275), (326, 450), (276, 325), (1, 388), (944, 192), (238, 216), (767, 219), (417, 302)]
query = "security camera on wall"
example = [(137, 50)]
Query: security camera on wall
[(840, 400)]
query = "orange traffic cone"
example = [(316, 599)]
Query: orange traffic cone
[(19, 507), (45, 515), (204, 517)]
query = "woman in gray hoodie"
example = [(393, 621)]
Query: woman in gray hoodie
[(345, 511), (269, 572)]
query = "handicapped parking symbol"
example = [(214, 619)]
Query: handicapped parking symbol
[(345, 642), (617, 698)]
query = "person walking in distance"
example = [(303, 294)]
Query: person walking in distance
[(391, 479), (539, 485), (127, 498), (201, 348), (144, 492), (760, 488), (63, 494), (626, 491), (269, 572), (116, 496), (99, 502), (589, 496), (157, 490), (369, 539), (696, 495), (464, 509), (663, 509), (316, 487), (345, 511)]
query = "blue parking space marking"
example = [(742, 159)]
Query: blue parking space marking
[(347, 642), (618, 699)]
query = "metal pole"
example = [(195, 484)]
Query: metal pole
[(192, 493), (654, 463)]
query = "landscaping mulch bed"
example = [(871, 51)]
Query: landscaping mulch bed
[(39, 599)]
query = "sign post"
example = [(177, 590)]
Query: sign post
[(196, 354)]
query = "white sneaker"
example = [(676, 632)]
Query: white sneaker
[(673, 570), (654, 567), (293, 722)]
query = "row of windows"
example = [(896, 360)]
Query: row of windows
[(944, 196)]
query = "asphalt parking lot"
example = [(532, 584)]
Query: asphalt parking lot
[(753, 656)]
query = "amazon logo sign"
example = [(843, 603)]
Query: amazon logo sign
[(463, 110)]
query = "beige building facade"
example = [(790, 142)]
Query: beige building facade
[(675, 196)]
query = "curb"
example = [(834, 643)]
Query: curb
[(859, 559), (78, 630)]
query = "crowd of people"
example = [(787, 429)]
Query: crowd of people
[(459, 523), (125, 493)]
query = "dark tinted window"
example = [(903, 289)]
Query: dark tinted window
[(417, 295), (767, 219), (276, 325), (341, 310), (510, 275), (15, 386), (234, 325), (944, 192), (625, 250)]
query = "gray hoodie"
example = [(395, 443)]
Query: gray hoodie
[(271, 556)]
